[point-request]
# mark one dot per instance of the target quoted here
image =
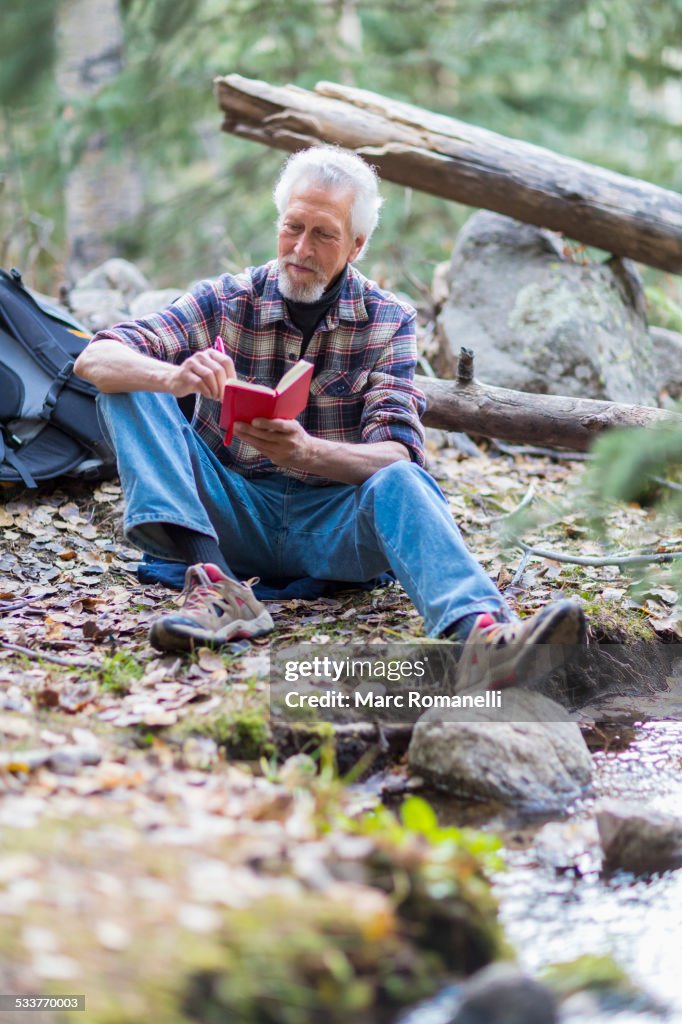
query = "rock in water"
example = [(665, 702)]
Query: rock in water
[(540, 321), (501, 994), (636, 840), (535, 759), (569, 846)]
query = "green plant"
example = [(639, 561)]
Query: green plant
[(116, 672), (590, 971), (243, 733), (662, 310), (418, 818)]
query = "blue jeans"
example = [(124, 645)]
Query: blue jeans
[(275, 526)]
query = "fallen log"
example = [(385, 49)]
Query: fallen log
[(381, 744), (455, 160), (554, 420), (466, 404)]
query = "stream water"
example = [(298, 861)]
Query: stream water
[(553, 914)]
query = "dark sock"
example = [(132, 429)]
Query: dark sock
[(193, 547), (460, 629)]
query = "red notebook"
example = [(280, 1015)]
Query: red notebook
[(243, 402)]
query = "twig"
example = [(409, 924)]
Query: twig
[(425, 366), (525, 501), (11, 606), (529, 449), (41, 656), (525, 559), (667, 483), (615, 559), (465, 366), (421, 287)]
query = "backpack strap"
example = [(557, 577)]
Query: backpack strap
[(53, 394), (9, 456), (25, 320)]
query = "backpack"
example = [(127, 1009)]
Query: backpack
[(48, 420)]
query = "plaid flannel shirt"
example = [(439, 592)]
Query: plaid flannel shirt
[(364, 352)]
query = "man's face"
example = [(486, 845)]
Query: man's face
[(315, 242)]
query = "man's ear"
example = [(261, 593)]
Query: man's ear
[(358, 244)]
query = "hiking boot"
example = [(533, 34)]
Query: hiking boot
[(499, 654), (215, 610)]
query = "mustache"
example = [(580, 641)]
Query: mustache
[(308, 264)]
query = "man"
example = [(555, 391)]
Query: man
[(338, 494)]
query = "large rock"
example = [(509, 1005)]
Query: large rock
[(667, 361), (153, 302), (502, 994), (97, 308), (118, 275), (536, 759), (540, 321), (637, 840)]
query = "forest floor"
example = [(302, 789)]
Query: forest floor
[(158, 856)]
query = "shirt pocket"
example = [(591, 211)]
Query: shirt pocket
[(336, 405), (337, 385)]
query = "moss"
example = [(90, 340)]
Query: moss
[(613, 623), (588, 972), (425, 910), (243, 733), (420, 907), (294, 961), (116, 672)]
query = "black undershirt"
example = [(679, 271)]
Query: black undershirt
[(307, 315)]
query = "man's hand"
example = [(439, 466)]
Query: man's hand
[(288, 445), (115, 368), (284, 442), (205, 373)]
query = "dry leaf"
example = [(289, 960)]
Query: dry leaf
[(210, 661)]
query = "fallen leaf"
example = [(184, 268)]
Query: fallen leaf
[(209, 661), (17, 728)]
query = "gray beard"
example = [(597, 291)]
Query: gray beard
[(311, 291)]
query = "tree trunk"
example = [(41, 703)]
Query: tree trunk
[(103, 190), (471, 165), (551, 420)]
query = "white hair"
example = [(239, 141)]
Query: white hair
[(334, 168)]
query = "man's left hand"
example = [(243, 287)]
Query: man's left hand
[(284, 442)]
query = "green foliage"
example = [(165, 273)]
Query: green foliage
[(616, 621), (635, 465), (418, 818), (588, 972), (590, 79), (627, 462), (642, 465), (28, 49), (297, 961), (243, 733), (117, 671), (663, 310)]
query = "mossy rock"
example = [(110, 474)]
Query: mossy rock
[(407, 905)]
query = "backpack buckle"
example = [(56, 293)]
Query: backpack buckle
[(9, 438), (52, 397)]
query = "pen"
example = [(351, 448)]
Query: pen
[(219, 345)]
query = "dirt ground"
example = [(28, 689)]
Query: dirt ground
[(157, 854)]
